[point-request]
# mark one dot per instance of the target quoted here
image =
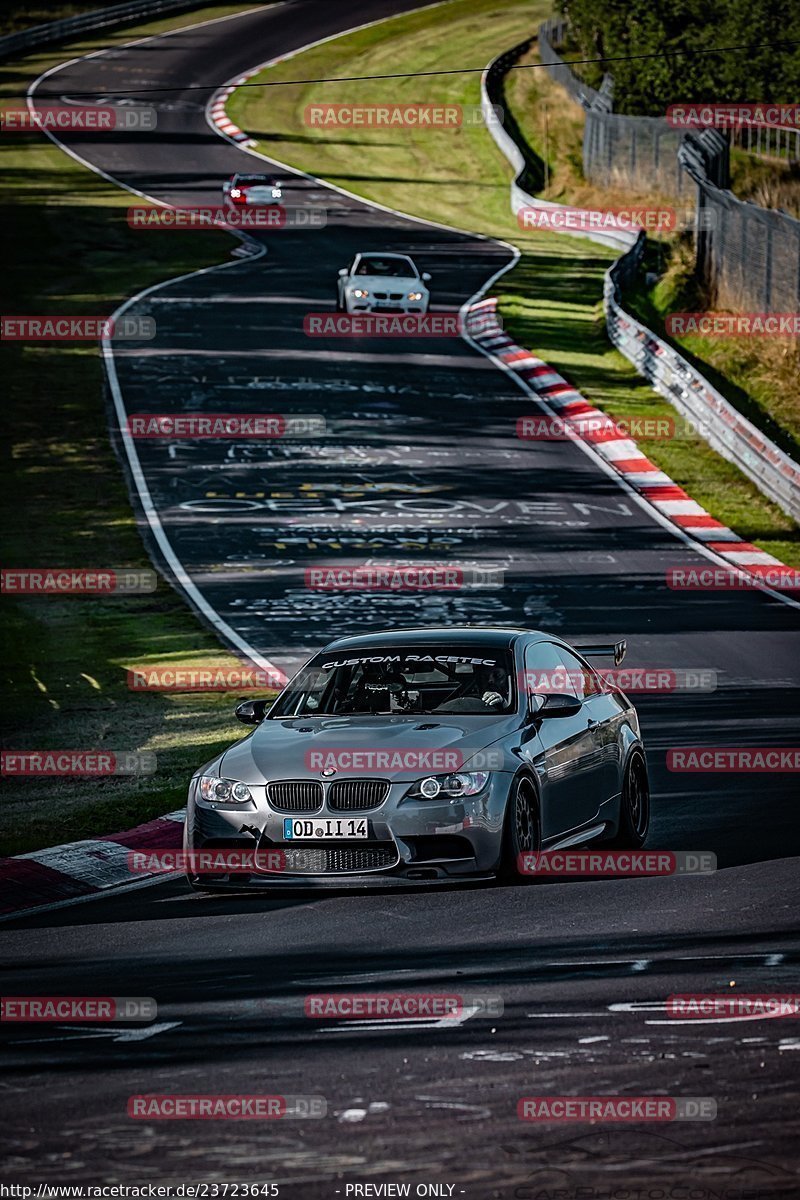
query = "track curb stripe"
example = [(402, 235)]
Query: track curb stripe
[(620, 452), (83, 868)]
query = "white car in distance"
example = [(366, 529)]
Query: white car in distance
[(382, 283)]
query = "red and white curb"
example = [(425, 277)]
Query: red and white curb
[(620, 453), (220, 119), (80, 869)]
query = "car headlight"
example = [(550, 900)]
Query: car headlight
[(464, 783), (360, 293), (276, 193), (235, 193), (224, 791), (415, 295)]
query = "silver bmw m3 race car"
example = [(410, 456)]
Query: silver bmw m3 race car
[(416, 755)]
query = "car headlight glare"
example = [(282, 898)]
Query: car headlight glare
[(462, 783), (360, 293), (224, 791), (415, 295), (235, 193)]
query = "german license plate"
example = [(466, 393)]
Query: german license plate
[(296, 828)]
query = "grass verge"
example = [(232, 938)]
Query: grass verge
[(552, 301), (65, 660)]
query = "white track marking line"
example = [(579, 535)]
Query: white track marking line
[(196, 598), (271, 62), (634, 1006), (449, 1022), (106, 50), (117, 1035)]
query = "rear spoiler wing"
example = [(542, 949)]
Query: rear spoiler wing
[(615, 650)]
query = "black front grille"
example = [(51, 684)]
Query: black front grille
[(395, 295), (380, 295), (356, 795), (309, 858), (295, 795)]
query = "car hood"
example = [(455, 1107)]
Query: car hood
[(387, 283), (291, 749)]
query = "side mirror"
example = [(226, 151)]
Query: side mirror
[(251, 712), (344, 271), (554, 705), (426, 277)]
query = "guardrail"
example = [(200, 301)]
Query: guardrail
[(669, 373), (102, 18)]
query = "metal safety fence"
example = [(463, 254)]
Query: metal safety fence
[(747, 256), (620, 151)]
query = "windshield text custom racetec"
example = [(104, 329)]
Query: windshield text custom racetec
[(404, 680)]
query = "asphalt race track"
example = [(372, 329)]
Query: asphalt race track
[(421, 464)]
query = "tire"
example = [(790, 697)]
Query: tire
[(634, 806), (522, 831)]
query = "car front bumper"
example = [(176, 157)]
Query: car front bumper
[(385, 307), (410, 841)]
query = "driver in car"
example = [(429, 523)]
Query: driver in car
[(488, 686)]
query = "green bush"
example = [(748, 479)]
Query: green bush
[(608, 29)]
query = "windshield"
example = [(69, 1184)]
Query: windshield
[(404, 680), (386, 266)]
